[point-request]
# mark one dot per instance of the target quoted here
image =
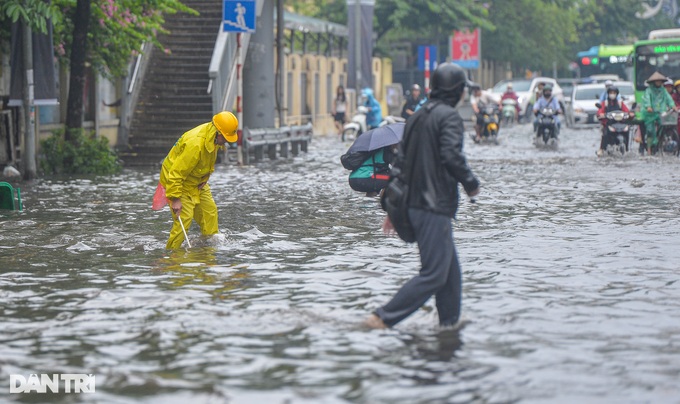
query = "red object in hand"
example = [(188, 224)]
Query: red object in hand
[(159, 198)]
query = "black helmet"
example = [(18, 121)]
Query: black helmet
[(448, 77), (613, 89)]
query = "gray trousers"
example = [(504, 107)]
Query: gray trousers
[(439, 275)]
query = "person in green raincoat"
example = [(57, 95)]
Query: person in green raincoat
[(655, 101), (186, 171)]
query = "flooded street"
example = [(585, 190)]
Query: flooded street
[(570, 270)]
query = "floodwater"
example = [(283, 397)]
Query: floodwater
[(571, 267)]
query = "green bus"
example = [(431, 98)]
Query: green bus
[(660, 52), (614, 60), (605, 59)]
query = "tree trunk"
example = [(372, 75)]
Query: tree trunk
[(74, 105)]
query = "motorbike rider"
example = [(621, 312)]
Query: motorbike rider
[(605, 94), (676, 98), (613, 103), (510, 94), (412, 102), (374, 115), (547, 101), (668, 85), (655, 101), (478, 100)]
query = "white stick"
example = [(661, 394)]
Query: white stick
[(184, 230)]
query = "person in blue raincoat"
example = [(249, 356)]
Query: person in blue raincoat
[(374, 116)]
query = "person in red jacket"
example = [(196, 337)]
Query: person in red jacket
[(612, 103), (676, 97)]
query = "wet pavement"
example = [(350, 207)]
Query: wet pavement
[(570, 268)]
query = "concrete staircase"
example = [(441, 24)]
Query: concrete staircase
[(173, 97)]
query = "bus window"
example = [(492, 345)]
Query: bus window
[(652, 58)]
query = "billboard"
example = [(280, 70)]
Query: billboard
[(466, 48)]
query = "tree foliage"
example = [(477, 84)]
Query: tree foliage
[(117, 30), (36, 13), (530, 34)]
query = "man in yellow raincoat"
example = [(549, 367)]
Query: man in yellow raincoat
[(185, 174)]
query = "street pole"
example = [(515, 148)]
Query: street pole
[(28, 153), (427, 68), (357, 46), (280, 61), (239, 98)]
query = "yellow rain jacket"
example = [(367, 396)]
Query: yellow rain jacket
[(190, 163)]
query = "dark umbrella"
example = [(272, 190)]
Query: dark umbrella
[(378, 138)]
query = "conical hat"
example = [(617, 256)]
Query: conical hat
[(656, 77)]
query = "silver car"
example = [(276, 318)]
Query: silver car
[(581, 108)]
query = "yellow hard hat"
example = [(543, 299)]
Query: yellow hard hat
[(677, 83), (227, 124)]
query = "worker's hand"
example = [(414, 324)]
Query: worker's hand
[(649, 109), (387, 227), (176, 206), (474, 192)]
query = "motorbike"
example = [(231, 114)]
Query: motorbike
[(546, 130), (616, 127), (356, 126), (508, 111), (490, 123)]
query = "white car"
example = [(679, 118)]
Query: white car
[(581, 108), (525, 88)]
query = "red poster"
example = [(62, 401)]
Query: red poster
[(465, 45)]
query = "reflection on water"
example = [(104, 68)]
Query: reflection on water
[(570, 286)]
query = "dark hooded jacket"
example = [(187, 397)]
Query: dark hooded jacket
[(439, 163)]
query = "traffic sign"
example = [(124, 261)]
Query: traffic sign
[(432, 58), (465, 48), (239, 16)]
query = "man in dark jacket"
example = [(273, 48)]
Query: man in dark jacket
[(436, 169), (411, 102)]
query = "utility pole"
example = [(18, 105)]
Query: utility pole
[(28, 152), (357, 45), (280, 61)]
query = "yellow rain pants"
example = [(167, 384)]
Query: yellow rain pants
[(204, 213), (188, 165)]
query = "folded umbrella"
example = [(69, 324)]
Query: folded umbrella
[(378, 138)]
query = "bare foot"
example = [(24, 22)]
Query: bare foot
[(374, 322)]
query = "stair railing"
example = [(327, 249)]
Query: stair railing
[(132, 88)]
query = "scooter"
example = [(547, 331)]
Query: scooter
[(616, 127), (546, 130), (490, 125), (508, 111), (355, 127)]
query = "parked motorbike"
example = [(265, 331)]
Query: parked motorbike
[(490, 125), (546, 130), (508, 111), (356, 126), (616, 127)]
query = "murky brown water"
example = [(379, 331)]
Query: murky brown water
[(571, 268)]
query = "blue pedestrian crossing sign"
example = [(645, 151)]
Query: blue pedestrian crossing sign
[(239, 16)]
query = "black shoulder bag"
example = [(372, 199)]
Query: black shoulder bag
[(394, 199)]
